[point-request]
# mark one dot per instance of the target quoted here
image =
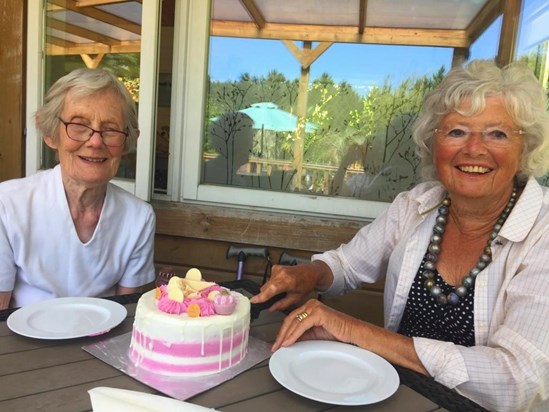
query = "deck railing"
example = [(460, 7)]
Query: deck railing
[(317, 178)]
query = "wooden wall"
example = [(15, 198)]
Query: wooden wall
[(199, 236), (12, 82)]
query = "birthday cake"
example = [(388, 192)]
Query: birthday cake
[(190, 327)]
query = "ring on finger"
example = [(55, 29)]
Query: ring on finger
[(301, 316)]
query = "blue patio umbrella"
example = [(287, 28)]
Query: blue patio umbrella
[(268, 116)]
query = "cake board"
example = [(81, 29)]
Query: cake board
[(114, 352)]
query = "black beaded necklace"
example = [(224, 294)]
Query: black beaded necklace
[(434, 249)]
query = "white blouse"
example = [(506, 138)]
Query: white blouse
[(41, 256), (508, 368)]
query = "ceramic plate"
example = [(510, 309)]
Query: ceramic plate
[(66, 318), (334, 372)]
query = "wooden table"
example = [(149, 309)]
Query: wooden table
[(48, 375)]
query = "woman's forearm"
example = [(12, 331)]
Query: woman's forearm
[(394, 347), (325, 277), (5, 298)]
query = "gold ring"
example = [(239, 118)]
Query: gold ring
[(301, 316)]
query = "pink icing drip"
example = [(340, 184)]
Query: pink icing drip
[(193, 349)]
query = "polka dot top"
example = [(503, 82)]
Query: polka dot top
[(424, 317)]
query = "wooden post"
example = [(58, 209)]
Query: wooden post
[(306, 57), (12, 84), (460, 56), (509, 31), (299, 134)]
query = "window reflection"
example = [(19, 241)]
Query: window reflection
[(355, 139), (106, 36), (533, 44)]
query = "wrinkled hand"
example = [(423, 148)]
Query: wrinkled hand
[(296, 281), (320, 322)]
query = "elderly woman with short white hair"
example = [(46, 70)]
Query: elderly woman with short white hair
[(68, 231), (465, 255)]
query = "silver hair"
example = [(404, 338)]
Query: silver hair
[(84, 83), (524, 99)]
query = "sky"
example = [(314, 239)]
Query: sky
[(359, 65)]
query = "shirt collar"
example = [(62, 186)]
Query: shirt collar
[(430, 199), (524, 214)]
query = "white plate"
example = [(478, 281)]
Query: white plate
[(334, 372), (66, 318)]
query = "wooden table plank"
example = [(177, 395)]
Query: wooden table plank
[(281, 400), (70, 399), (4, 330), (42, 358), (53, 378), (254, 382), (405, 399)]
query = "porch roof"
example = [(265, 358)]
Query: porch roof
[(114, 26)]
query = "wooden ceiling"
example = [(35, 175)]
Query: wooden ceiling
[(90, 27)]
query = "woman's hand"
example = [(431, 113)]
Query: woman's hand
[(296, 281), (314, 320)]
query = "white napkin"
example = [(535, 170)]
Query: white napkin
[(105, 399)]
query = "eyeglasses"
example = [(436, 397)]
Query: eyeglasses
[(496, 136), (82, 133)]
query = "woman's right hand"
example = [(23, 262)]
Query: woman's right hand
[(296, 281)]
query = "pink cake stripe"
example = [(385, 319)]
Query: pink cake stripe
[(189, 349), (161, 367)]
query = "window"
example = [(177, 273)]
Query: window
[(107, 36), (533, 43), (359, 103), (319, 127)]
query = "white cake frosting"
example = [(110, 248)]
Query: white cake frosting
[(178, 344)]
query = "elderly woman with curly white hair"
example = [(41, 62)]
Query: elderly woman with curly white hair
[(68, 231), (465, 255)]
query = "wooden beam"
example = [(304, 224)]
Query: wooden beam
[(484, 18), (92, 62), (99, 15), (269, 229), (91, 3), (362, 8), (342, 34), (306, 56), (56, 41), (80, 32), (294, 49), (509, 32), (254, 13), (93, 48), (311, 55)]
